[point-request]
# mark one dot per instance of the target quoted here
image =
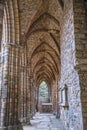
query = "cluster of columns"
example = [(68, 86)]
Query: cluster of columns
[(1, 18), (27, 94), (10, 73), (17, 91)]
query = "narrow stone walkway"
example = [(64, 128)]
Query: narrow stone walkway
[(44, 122)]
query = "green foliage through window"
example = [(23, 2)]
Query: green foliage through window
[(43, 90)]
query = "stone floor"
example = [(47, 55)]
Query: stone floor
[(44, 122)]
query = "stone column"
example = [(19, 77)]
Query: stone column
[(32, 92), (49, 94), (3, 65), (33, 97), (29, 95), (58, 107), (10, 88), (37, 99), (14, 87), (54, 96), (28, 98), (4, 86), (24, 105), (1, 18), (23, 94)]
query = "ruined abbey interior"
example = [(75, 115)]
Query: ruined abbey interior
[(43, 41)]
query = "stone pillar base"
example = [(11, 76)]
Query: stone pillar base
[(18, 127)]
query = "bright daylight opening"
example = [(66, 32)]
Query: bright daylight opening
[(43, 92)]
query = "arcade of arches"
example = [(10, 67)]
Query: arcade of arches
[(43, 40)]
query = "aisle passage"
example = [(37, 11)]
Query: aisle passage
[(44, 122)]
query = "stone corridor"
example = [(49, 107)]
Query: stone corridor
[(44, 122), (43, 41)]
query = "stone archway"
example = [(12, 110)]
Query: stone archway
[(44, 40)]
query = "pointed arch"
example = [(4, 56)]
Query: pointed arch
[(47, 15)]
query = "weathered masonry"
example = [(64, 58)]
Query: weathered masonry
[(43, 40)]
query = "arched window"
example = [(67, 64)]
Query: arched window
[(43, 92)]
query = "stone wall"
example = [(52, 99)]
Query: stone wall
[(70, 109), (80, 21), (83, 84), (20, 68)]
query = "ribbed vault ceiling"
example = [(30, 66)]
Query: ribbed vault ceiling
[(43, 43)]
